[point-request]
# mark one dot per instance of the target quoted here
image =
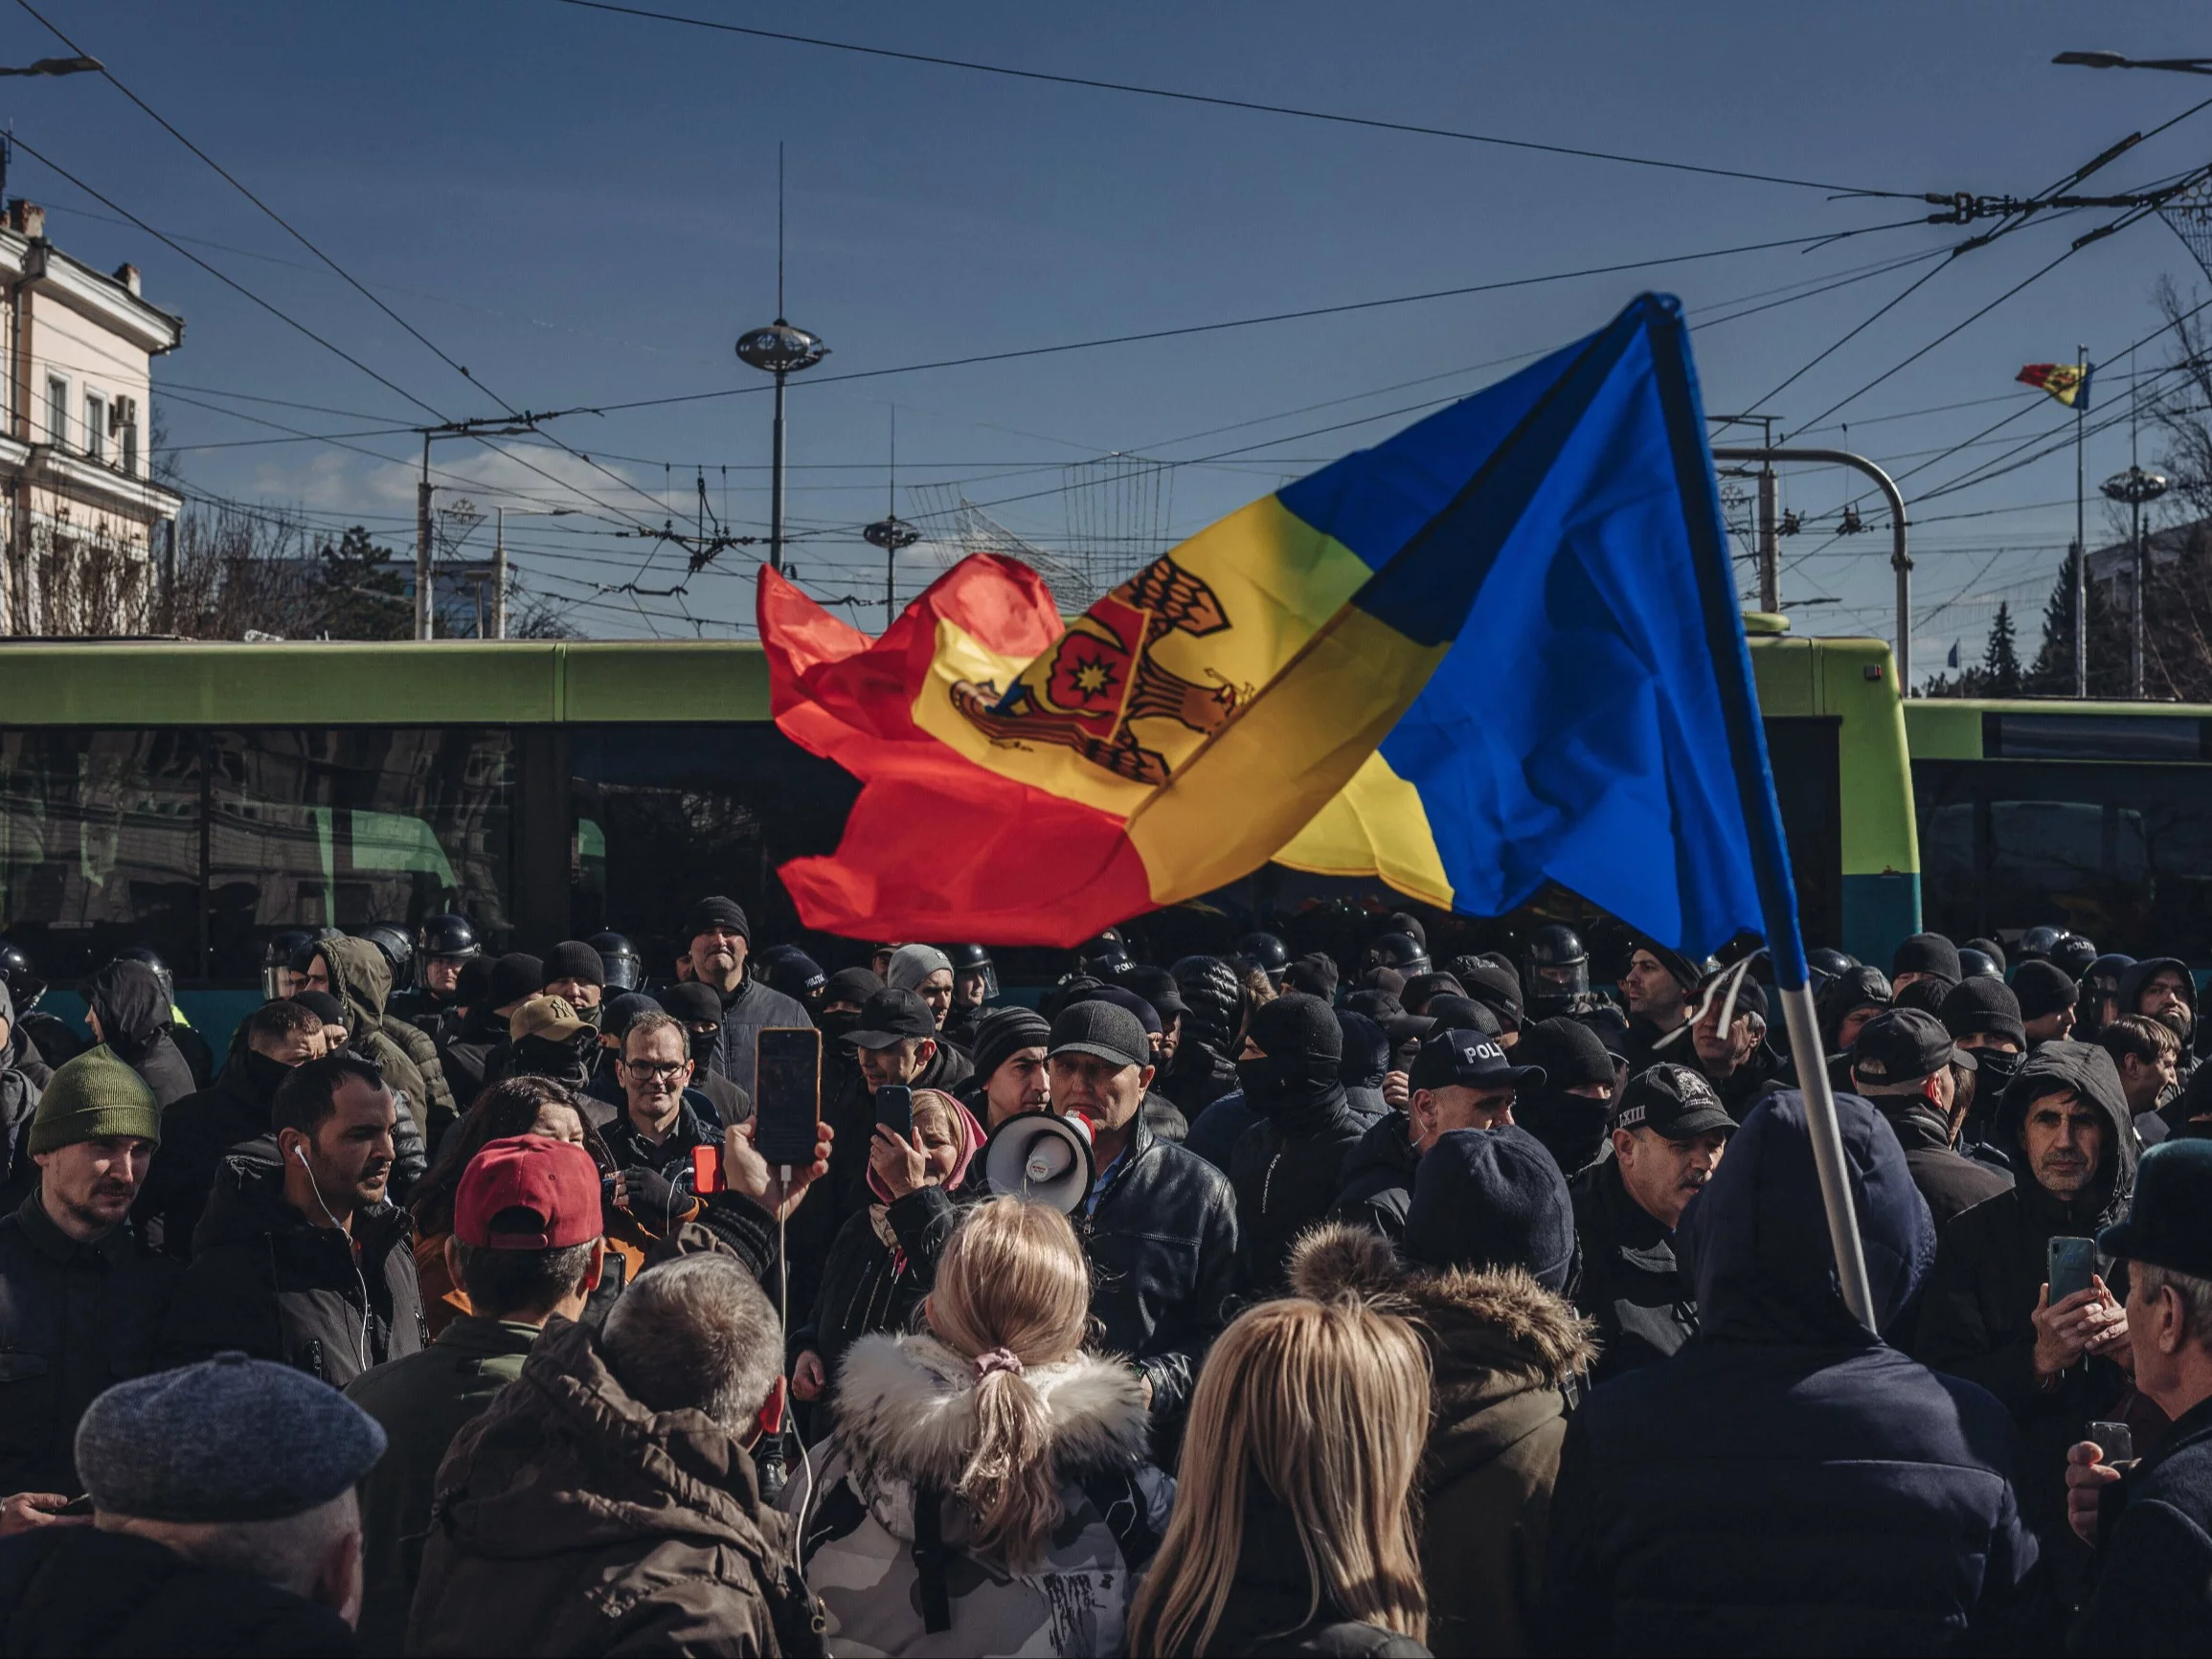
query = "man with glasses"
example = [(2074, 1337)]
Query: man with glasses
[(661, 1120)]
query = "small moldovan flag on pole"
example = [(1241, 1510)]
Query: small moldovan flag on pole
[(2068, 382)]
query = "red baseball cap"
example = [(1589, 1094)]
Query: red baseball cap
[(554, 1180)]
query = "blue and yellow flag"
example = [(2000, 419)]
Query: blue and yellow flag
[(1525, 599), (2068, 382)]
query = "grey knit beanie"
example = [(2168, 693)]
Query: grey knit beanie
[(230, 1438)]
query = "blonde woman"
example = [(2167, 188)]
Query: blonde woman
[(988, 1489), (1295, 1530)]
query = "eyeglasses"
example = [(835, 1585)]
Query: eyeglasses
[(667, 1070)]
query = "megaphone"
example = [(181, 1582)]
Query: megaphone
[(1043, 1157)]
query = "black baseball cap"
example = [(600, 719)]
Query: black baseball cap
[(1904, 1046), (1469, 1059), (1102, 1029), (2167, 1223), (1672, 1101), (891, 1017)]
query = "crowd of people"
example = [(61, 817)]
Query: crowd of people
[(1383, 1307)]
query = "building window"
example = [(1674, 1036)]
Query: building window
[(130, 441), (56, 410), (96, 426)]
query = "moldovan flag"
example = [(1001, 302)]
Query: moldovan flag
[(2068, 382), (1500, 647)]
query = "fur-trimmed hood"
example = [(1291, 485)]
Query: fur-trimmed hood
[(906, 1411), (1493, 1319)]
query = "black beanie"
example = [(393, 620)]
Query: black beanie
[(1315, 974), (716, 910), (1498, 989), (573, 959), (1296, 1026), (1492, 1197), (1571, 1053), (854, 985), (2042, 988), (1421, 987), (1463, 1014), (1925, 994), (515, 977), (692, 1002), (1407, 922), (323, 1005), (1007, 1032), (474, 983), (1983, 1003), (1927, 954), (1367, 1054)]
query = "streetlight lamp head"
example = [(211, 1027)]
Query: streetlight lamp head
[(2093, 59), (58, 66), (2135, 486), (892, 535), (779, 348)]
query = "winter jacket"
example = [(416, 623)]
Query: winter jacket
[(464, 1053), (78, 1590), (439, 1114), (1503, 1351), (1378, 1184), (2153, 1583), (2140, 973), (1846, 1500), (1977, 1319), (746, 1012), (1630, 1284), (1286, 1171), (361, 978), (1270, 1607), (1951, 1181), (23, 1078), (1217, 1127), (1762, 1073), (905, 1431), (196, 1134), (421, 1401), (265, 1281), (1162, 1240), (570, 1519), (75, 1320), (871, 1283)]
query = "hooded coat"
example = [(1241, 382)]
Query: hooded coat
[(906, 1427), (1977, 1321), (23, 1078), (2139, 974), (1503, 1353), (361, 978), (267, 1281), (1289, 1166), (1846, 1500), (570, 1519), (134, 1012)]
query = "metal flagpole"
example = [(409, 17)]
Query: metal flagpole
[(1804, 1027), (2081, 536)]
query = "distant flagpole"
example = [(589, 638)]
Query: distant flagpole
[(1762, 813), (2081, 536)]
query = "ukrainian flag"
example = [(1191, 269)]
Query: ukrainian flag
[(1501, 646)]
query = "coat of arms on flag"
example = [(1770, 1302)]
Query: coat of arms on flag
[(2068, 382)]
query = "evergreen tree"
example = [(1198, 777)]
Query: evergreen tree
[(359, 590), (2000, 658)]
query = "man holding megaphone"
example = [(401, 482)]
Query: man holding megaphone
[(1158, 1222)]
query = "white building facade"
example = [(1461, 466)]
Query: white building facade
[(82, 525)]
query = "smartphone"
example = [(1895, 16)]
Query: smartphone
[(2074, 1264), (894, 1110), (706, 1171), (2114, 1441), (76, 1506), (787, 1094)]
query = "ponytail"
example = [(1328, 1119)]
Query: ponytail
[(1010, 1486)]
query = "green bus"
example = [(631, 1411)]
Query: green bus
[(2096, 818), (199, 798)]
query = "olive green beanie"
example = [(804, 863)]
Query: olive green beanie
[(92, 1096)]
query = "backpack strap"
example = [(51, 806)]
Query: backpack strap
[(1118, 1497), (929, 1558)]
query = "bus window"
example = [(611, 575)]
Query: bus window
[(100, 847), (344, 826), (661, 816), (2122, 853)]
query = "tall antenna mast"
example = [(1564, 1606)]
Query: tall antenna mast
[(780, 227), (891, 533), (781, 350)]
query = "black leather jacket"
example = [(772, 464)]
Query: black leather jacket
[(1162, 1244)]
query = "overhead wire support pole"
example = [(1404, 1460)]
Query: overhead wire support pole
[(480, 426), (2081, 536), (1900, 562)]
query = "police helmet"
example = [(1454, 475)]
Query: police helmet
[(447, 935), (1103, 956), (973, 964), (1558, 969), (1971, 962), (391, 944), (24, 985), (1400, 950), (1266, 953), (626, 968), (2037, 944)]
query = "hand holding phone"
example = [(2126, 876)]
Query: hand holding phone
[(786, 1094), (2072, 1266), (894, 1109)]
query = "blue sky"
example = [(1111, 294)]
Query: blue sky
[(581, 207)]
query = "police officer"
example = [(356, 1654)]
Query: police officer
[(626, 968), (444, 945), (1556, 972)]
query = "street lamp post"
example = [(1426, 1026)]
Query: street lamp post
[(499, 558), (2137, 486), (781, 350)]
